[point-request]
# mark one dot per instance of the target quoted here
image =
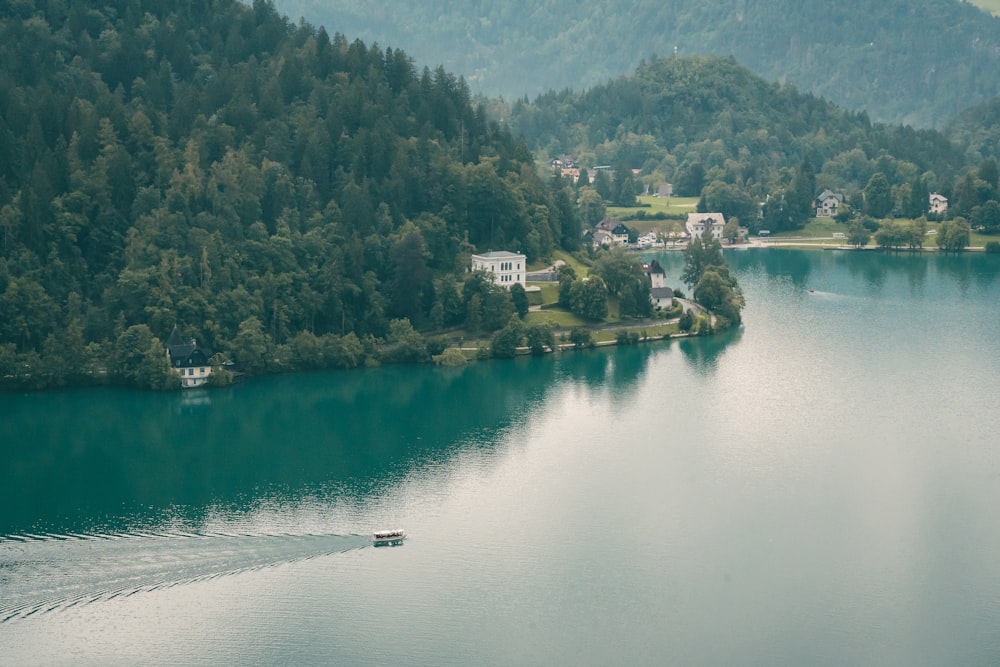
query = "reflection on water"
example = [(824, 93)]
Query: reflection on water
[(704, 353), (812, 485), (87, 461)]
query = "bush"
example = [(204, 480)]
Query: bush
[(450, 357), (436, 346), (580, 337), (993, 247), (627, 337)]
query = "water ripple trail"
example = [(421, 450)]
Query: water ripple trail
[(41, 574)]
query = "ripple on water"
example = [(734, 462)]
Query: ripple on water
[(41, 574)]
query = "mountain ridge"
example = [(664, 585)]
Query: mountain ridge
[(917, 64)]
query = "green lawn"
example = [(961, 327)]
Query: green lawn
[(676, 207), (581, 269), (560, 318), (819, 231), (603, 335), (654, 205), (549, 294)]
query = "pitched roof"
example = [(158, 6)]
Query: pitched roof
[(705, 218), (185, 354), (661, 292), (654, 267)]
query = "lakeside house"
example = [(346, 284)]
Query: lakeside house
[(700, 223), (828, 203), (938, 203), (614, 229), (506, 267), (188, 360), (659, 294)]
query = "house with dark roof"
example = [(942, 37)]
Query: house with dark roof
[(660, 295), (617, 231), (188, 360)]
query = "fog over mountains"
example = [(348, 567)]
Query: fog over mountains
[(905, 62)]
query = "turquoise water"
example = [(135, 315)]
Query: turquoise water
[(818, 488)]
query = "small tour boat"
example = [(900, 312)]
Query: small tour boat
[(388, 536)]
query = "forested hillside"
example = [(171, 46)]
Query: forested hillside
[(917, 63), (711, 127), (280, 194), (978, 130)]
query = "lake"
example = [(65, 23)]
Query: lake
[(820, 487)]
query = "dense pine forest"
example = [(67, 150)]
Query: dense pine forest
[(916, 63), (286, 197)]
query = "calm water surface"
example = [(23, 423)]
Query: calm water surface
[(819, 488)]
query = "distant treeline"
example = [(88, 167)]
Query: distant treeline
[(750, 148), (916, 63)]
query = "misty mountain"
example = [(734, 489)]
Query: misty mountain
[(912, 63)]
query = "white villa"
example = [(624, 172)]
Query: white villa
[(828, 203), (698, 223), (507, 267), (938, 203)]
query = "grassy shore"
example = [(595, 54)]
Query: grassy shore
[(820, 231)]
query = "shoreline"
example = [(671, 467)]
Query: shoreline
[(821, 244)]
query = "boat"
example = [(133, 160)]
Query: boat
[(395, 536)]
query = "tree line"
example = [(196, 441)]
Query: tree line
[(753, 150), (915, 64), (281, 194)]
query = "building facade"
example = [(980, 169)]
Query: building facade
[(507, 267), (828, 203), (188, 360), (659, 294), (938, 203), (698, 224)]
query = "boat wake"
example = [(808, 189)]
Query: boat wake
[(40, 574)]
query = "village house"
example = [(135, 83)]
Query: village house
[(507, 267), (571, 173), (699, 223), (659, 294), (620, 234), (563, 161), (938, 203), (602, 238), (614, 229), (188, 360), (828, 203)]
